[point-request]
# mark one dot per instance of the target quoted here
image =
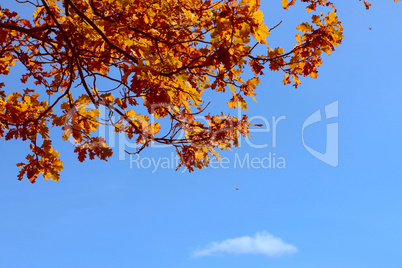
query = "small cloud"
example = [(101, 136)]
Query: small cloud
[(262, 243)]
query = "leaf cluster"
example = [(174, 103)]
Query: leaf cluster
[(160, 55)]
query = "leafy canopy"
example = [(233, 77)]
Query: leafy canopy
[(155, 57)]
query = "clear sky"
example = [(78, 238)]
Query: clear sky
[(299, 212)]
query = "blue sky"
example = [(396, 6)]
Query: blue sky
[(305, 214)]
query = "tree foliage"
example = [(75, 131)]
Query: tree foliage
[(141, 59)]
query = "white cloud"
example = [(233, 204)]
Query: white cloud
[(262, 243)]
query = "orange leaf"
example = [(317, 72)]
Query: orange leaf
[(367, 5)]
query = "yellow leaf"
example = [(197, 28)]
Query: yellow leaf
[(316, 20), (304, 27), (67, 133), (27, 100), (146, 20), (130, 113), (314, 74), (214, 153), (232, 88), (232, 104), (245, 30), (286, 80), (299, 39), (129, 42), (331, 17), (285, 4), (259, 16), (261, 34)]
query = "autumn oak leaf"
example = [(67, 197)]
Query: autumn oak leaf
[(150, 71)]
